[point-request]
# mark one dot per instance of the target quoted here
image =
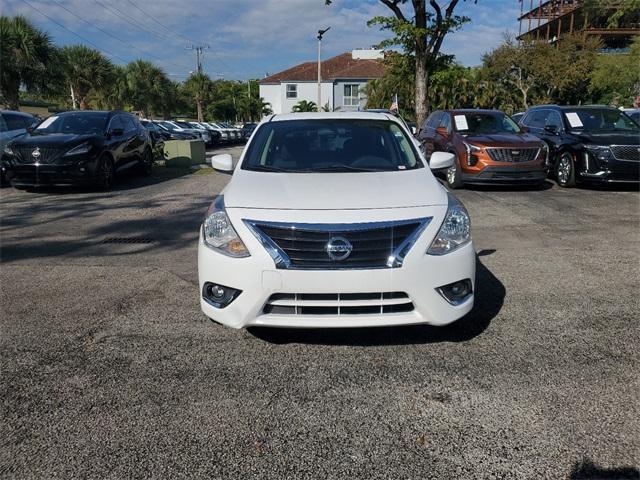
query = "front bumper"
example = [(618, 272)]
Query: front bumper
[(613, 171), (506, 175), (419, 277), (25, 175)]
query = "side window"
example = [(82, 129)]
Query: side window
[(445, 122), (129, 124), (536, 119), (16, 122), (116, 123), (292, 90), (433, 120), (553, 119)]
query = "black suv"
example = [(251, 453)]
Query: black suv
[(80, 147), (587, 143)]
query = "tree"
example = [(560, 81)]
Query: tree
[(86, 69), (28, 59), (198, 86), (147, 85), (420, 34), (615, 78), (305, 106)]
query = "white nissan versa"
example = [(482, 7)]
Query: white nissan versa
[(335, 220)]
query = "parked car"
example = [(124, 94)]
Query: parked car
[(202, 133), (386, 244), (634, 113), (516, 117), (214, 135), (247, 129), (234, 133), (172, 133), (12, 125), (489, 148), (158, 136), (80, 147), (587, 143), (226, 135)]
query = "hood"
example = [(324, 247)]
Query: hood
[(609, 138), (52, 140), (333, 191), (503, 140)]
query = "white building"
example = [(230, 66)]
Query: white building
[(343, 81)]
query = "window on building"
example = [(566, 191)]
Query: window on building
[(351, 95), (292, 90)]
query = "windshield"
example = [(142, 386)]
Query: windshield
[(481, 123), (168, 126), (74, 123), (335, 145), (599, 120)]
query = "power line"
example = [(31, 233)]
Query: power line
[(76, 34), (159, 23), (114, 36), (123, 16)]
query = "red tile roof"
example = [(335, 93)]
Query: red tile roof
[(341, 66)]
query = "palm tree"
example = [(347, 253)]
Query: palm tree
[(86, 70), (146, 86), (25, 53), (305, 106), (198, 86)]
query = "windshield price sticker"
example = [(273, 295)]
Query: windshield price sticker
[(461, 122), (574, 120), (47, 122)]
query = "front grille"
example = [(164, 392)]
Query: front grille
[(513, 155), (626, 152), (24, 155), (312, 246), (376, 303)]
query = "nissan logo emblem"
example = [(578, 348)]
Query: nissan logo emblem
[(338, 248)]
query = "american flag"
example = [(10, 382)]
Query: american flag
[(394, 104)]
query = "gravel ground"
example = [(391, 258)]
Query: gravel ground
[(110, 370)]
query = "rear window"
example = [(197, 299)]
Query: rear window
[(332, 145)]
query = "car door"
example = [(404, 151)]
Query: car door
[(547, 125), (115, 132), (443, 134), (428, 132)]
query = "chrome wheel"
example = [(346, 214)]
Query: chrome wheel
[(105, 174), (564, 170), (452, 172)]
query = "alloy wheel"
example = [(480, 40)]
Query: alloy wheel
[(564, 169)]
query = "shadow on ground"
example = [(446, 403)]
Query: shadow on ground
[(490, 293), (587, 470)]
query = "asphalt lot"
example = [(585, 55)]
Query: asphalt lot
[(110, 370)]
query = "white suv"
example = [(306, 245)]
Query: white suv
[(335, 220)]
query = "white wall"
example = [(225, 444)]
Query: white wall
[(276, 95)]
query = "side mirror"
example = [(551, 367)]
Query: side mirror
[(30, 129), (442, 131), (551, 129), (441, 160), (223, 163), (524, 129)]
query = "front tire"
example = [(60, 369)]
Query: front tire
[(454, 175), (147, 162), (106, 173), (566, 170)]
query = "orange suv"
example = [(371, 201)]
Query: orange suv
[(488, 145)]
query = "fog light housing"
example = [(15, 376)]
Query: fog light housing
[(456, 293), (219, 296)]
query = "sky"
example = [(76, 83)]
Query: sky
[(244, 38)]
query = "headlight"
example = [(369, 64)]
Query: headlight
[(455, 230), (219, 234), (80, 149), (601, 152), (7, 149), (471, 149)]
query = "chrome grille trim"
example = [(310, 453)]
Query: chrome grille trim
[(47, 155), (316, 235), (626, 153), (504, 154)]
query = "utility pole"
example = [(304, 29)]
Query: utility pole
[(320, 34), (199, 53)]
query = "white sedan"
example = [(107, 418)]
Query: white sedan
[(335, 220)]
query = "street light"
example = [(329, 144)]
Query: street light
[(320, 34)]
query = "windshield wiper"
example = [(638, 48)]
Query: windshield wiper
[(341, 168), (267, 168)]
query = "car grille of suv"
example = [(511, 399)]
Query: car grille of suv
[(369, 245), (626, 152), (24, 155), (513, 155), (338, 303)]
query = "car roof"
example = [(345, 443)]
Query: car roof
[(573, 107), (331, 116), (24, 114), (474, 110)]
